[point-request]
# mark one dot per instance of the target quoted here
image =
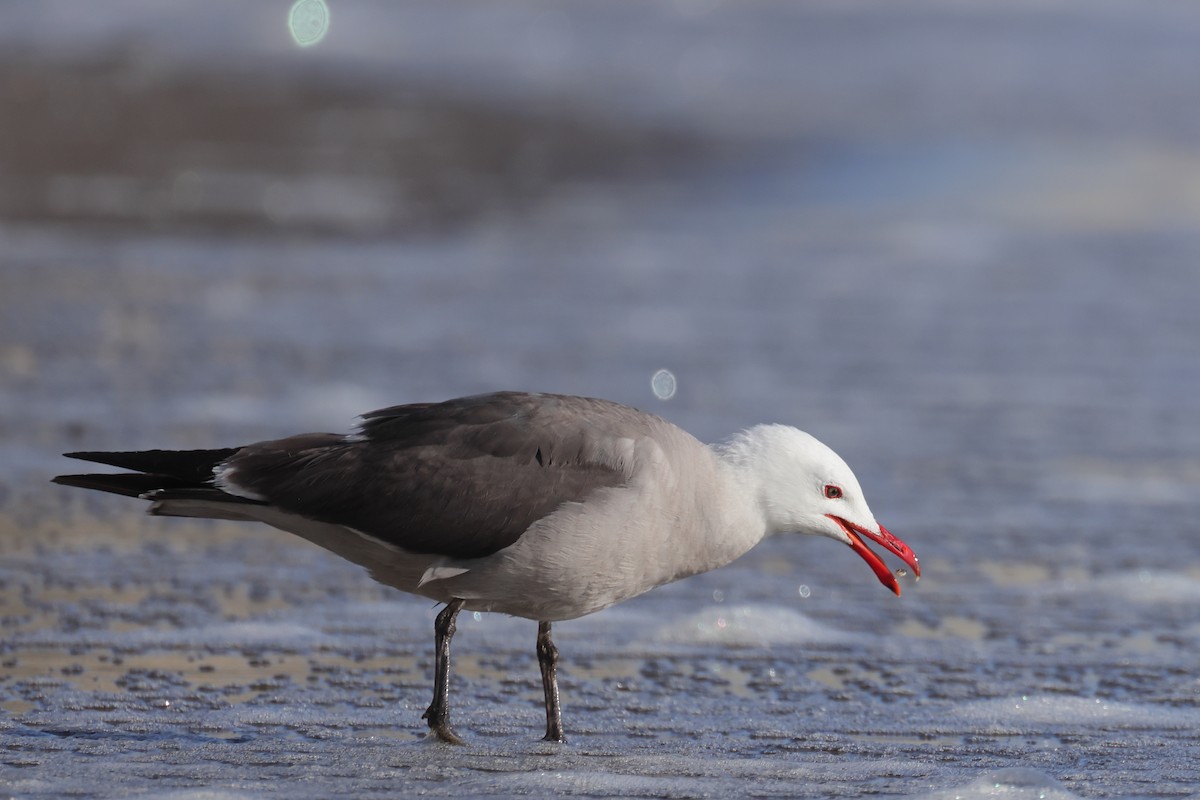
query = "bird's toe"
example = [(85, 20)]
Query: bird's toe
[(445, 734)]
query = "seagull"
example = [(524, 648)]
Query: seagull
[(542, 506)]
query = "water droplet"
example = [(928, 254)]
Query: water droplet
[(308, 22), (805, 591), (718, 596), (663, 384), (900, 573)]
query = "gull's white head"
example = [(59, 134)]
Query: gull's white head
[(804, 487)]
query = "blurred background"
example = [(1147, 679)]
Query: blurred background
[(958, 242)]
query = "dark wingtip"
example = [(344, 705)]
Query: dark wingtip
[(190, 466), (70, 480), (112, 458), (129, 485)]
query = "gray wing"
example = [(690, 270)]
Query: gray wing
[(463, 478)]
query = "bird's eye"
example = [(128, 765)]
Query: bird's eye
[(833, 492)]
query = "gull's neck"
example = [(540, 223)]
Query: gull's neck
[(741, 521)]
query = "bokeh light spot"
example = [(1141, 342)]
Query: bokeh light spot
[(663, 384), (308, 22)]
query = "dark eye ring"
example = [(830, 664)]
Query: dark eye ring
[(833, 492)]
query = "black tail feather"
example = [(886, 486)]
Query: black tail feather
[(188, 467)]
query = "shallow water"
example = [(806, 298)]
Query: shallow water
[(964, 256)]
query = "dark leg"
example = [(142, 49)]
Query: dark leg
[(548, 661), (438, 713)]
